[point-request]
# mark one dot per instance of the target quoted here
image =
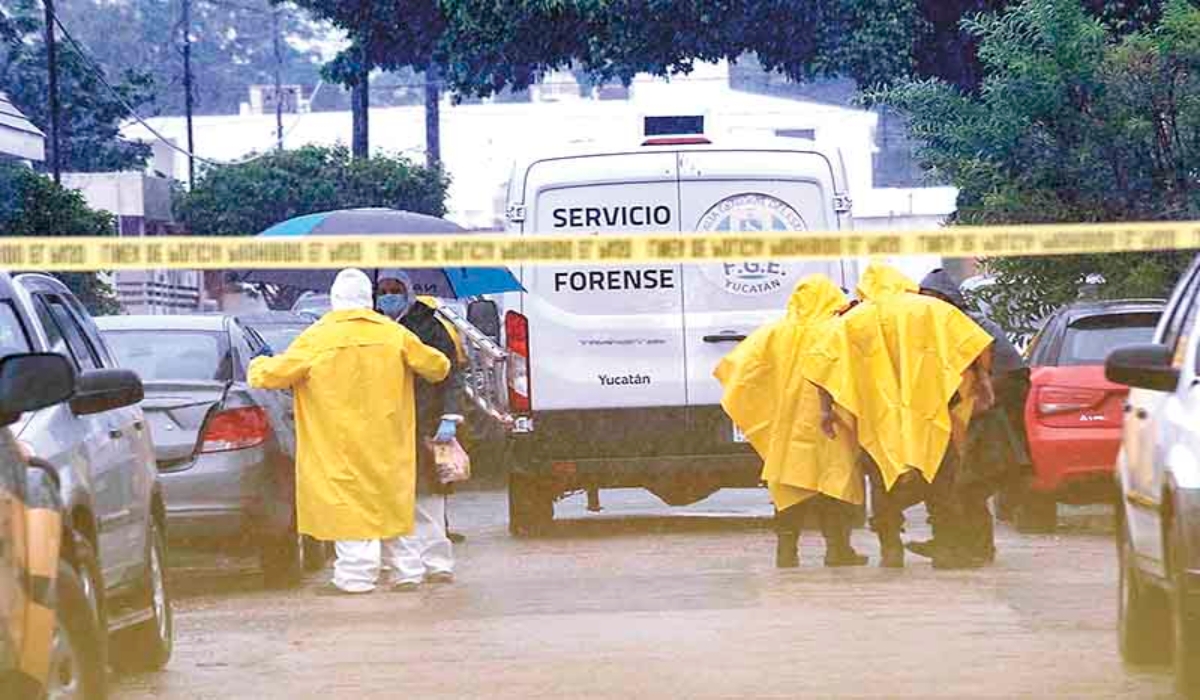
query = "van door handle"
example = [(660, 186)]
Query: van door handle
[(726, 337), (1141, 414), (115, 434)]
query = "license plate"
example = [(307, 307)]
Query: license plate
[(738, 435)]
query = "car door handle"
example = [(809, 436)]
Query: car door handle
[(727, 337)]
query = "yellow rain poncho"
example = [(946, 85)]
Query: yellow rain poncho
[(894, 362), (352, 376), (768, 397)]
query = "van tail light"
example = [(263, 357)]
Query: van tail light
[(516, 333), (235, 429), (1055, 400)]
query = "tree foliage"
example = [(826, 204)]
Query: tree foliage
[(482, 46), (232, 46), (33, 205), (91, 115), (249, 198), (1075, 121)]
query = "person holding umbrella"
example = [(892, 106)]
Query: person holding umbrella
[(352, 375), (427, 554)]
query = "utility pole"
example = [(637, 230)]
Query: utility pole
[(52, 85), (278, 41), (360, 100), (187, 90), (433, 135)]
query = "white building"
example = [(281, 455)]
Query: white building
[(480, 141), (141, 205)]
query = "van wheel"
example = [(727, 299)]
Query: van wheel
[(147, 645), (1036, 513), (530, 505), (77, 667), (1140, 613)]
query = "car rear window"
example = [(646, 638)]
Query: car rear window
[(13, 339), (1089, 340), (172, 355)]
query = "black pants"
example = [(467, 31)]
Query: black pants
[(888, 506), (833, 515)]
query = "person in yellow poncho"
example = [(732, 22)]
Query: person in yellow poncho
[(768, 397), (352, 376), (911, 369)]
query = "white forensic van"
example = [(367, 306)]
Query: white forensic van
[(610, 367)]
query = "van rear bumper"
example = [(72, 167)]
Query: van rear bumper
[(635, 447)]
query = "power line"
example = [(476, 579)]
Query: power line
[(133, 113)]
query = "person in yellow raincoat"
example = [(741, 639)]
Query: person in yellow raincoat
[(352, 376), (769, 398), (911, 369)]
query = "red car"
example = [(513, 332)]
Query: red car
[(1073, 415)]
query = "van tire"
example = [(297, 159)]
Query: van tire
[(530, 505), (77, 648)]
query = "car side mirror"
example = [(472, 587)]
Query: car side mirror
[(485, 315), (103, 390), (32, 381), (1145, 366)]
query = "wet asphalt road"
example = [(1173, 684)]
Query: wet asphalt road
[(644, 600)]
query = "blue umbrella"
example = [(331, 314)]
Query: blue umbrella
[(443, 282)]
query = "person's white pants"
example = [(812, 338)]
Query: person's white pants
[(359, 562), (427, 550)]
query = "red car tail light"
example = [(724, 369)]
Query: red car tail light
[(235, 429), (516, 333), (1056, 400)]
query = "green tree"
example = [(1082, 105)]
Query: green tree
[(91, 115), (248, 198), (33, 205), (1075, 121)]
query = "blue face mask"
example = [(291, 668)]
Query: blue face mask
[(394, 305)]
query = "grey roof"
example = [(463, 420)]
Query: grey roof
[(12, 117), (146, 322)]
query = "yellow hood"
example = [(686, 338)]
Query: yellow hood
[(880, 281), (816, 298), (778, 409)]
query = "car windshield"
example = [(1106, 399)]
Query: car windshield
[(172, 355), (314, 302), (279, 337), (1089, 340), (12, 335)]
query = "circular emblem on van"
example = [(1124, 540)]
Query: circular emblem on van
[(749, 213)]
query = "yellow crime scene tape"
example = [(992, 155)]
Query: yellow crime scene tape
[(66, 254)]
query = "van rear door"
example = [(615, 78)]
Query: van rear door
[(746, 191), (604, 336)]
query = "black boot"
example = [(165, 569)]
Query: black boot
[(835, 526), (787, 549)]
